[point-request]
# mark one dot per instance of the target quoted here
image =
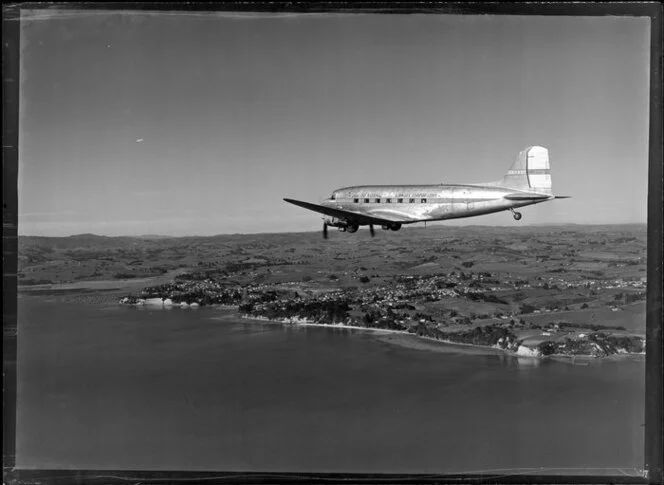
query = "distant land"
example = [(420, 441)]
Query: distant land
[(533, 290), (432, 226)]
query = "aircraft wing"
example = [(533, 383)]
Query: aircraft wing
[(361, 218), (394, 216)]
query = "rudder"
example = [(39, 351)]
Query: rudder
[(530, 171)]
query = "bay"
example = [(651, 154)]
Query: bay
[(104, 386)]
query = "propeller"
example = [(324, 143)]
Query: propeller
[(324, 230), (371, 230)]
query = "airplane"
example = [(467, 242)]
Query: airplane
[(527, 182)]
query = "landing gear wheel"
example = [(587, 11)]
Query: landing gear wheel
[(517, 215), (395, 227), (352, 228)]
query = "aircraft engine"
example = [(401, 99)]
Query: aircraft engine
[(342, 224)]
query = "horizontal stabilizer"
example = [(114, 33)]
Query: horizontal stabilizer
[(563, 197), (527, 196)]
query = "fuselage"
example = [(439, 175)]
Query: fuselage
[(527, 182), (416, 203)]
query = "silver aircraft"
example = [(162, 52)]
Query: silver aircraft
[(527, 182)]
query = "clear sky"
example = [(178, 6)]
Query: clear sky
[(183, 124)]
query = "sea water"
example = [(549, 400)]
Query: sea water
[(106, 386)]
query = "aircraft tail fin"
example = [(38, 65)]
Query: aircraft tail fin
[(530, 172)]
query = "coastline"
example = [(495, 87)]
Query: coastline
[(417, 342), (301, 323), (394, 337), (84, 291), (420, 342)]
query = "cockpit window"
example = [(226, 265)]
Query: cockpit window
[(332, 197)]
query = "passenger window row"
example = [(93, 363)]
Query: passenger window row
[(388, 201)]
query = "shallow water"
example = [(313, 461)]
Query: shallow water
[(116, 387)]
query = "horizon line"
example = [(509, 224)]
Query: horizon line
[(434, 227)]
